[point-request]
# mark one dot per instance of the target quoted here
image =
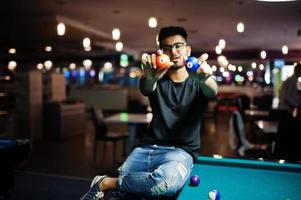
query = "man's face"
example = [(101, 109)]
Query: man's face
[(177, 49)]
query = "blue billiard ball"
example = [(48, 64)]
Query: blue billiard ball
[(192, 64), (214, 195), (194, 180)]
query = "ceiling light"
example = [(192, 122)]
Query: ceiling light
[(92, 73), (222, 61), (231, 67), (222, 43), (263, 54), (240, 27), (12, 65), (261, 67), (108, 67), (86, 42), (214, 68), (240, 68), (218, 49), (48, 48), (39, 66), (61, 28), (48, 64), (250, 74), (12, 51), (119, 46), (284, 49), (124, 60), (87, 64), (72, 66), (152, 22), (116, 34)]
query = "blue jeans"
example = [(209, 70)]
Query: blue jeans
[(155, 171)]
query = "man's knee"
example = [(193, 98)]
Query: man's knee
[(167, 187), (171, 181)]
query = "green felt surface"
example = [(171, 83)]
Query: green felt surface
[(238, 179)]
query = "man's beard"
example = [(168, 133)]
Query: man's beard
[(177, 65)]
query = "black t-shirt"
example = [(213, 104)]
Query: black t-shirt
[(177, 111)]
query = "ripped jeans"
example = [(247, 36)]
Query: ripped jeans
[(155, 171)]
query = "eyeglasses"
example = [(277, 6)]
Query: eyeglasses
[(177, 46)]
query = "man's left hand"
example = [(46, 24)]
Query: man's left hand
[(204, 70)]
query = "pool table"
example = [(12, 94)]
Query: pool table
[(12, 153), (239, 179)]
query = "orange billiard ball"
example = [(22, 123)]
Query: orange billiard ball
[(162, 61)]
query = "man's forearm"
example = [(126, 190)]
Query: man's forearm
[(147, 86), (209, 87)]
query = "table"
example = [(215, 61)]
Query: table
[(238, 179), (268, 127), (12, 152), (132, 119), (257, 114), (63, 119)]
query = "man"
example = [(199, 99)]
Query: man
[(289, 98), (161, 164)]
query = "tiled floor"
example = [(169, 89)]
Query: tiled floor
[(73, 156)]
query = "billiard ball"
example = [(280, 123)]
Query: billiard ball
[(162, 61), (214, 195), (194, 180), (192, 64)]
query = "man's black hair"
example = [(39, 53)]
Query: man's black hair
[(171, 31)]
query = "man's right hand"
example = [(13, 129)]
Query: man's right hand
[(151, 71)]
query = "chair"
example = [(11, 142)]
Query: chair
[(102, 134), (278, 114), (243, 103), (264, 102), (287, 144), (136, 106), (238, 139)]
